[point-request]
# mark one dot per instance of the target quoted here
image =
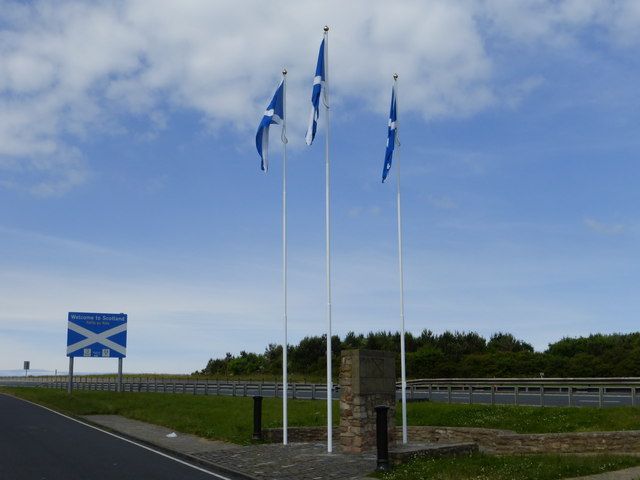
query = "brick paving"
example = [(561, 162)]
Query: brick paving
[(296, 461), (157, 435), (299, 461)]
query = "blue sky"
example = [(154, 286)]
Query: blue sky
[(129, 180)]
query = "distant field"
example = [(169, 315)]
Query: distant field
[(230, 418)]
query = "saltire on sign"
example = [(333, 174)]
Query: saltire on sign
[(392, 134), (273, 114), (318, 91), (97, 335)]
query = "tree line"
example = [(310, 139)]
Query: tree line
[(450, 354)]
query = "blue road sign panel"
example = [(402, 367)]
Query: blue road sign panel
[(97, 335)]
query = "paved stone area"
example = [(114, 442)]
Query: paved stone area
[(296, 461), (156, 435), (299, 461)]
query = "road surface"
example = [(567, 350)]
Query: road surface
[(38, 444)]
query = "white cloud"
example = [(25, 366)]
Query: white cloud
[(604, 228), (56, 243), (70, 70), (561, 24), (179, 317), (443, 202), (515, 94), (45, 174)]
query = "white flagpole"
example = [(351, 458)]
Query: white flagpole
[(402, 334), (328, 244), (284, 260)]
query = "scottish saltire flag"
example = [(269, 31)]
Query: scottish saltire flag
[(273, 114), (318, 87), (391, 136)]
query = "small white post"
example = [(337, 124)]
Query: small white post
[(285, 379), (328, 244), (403, 368)]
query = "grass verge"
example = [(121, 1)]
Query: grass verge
[(524, 419), (221, 418), (512, 467), (230, 418)]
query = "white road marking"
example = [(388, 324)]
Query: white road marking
[(126, 440)]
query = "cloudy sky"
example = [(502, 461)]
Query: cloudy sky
[(129, 180)]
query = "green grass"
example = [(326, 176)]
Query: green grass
[(524, 419), (220, 418), (513, 467), (230, 418)]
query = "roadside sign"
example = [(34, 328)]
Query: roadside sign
[(27, 364), (101, 335)]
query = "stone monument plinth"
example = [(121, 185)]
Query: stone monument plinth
[(367, 379)]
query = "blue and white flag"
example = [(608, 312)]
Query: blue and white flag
[(318, 90), (273, 114), (392, 136)]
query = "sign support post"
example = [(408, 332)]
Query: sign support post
[(120, 374), (96, 335), (70, 386)]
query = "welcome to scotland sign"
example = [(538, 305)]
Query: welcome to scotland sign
[(97, 335)]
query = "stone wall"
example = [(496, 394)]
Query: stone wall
[(490, 440), (367, 379), (505, 441)]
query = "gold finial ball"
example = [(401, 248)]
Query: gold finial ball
[(284, 71), (395, 76), (326, 28)]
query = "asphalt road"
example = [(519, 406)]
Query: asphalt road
[(37, 444)]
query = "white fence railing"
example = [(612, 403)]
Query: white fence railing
[(517, 391), (307, 391), (529, 391)]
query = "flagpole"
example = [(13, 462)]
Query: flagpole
[(328, 244), (400, 265), (284, 260)]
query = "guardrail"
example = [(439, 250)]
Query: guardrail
[(529, 380), (529, 391), (306, 391), (599, 392)]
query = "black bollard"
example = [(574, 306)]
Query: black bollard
[(382, 438), (257, 418)]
